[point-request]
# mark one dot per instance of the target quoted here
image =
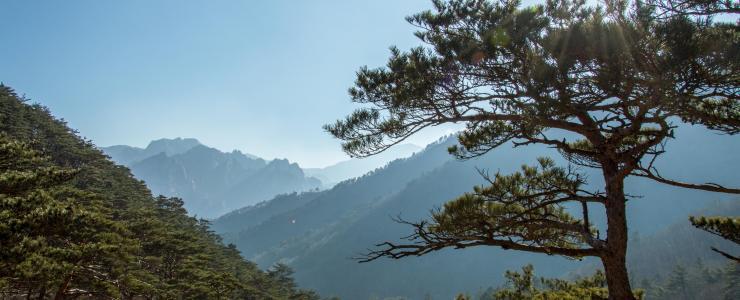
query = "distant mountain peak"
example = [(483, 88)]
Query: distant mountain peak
[(281, 162), (176, 140), (210, 181), (172, 146)]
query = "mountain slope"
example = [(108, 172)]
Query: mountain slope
[(652, 255), (78, 225), (325, 254), (344, 199), (125, 155), (210, 181), (357, 167), (319, 236), (253, 215)]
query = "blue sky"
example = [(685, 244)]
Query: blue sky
[(258, 76)]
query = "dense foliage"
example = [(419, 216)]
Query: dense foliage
[(74, 224), (694, 281), (334, 225), (604, 85), (525, 285), (684, 282)]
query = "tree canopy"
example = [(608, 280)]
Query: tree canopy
[(604, 85), (526, 285), (73, 224)]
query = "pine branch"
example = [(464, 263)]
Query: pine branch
[(710, 187)]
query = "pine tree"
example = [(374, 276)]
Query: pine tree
[(525, 286), (725, 227), (53, 235), (462, 297), (521, 285), (677, 285), (282, 275), (75, 225), (604, 85), (732, 284)]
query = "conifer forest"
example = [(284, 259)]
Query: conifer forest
[(379, 150)]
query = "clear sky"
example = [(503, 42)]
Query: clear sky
[(258, 76)]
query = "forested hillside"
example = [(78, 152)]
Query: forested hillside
[(319, 233), (357, 167), (671, 264), (427, 149), (74, 224), (324, 213)]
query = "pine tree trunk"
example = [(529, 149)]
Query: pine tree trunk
[(42, 293), (614, 260), (63, 288)]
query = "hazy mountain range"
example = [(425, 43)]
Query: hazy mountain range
[(352, 168), (318, 233), (212, 182)]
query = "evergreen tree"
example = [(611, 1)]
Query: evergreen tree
[(732, 282), (52, 235), (602, 85), (282, 275), (677, 285), (521, 285), (75, 225), (462, 297), (725, 227), (525, 285)]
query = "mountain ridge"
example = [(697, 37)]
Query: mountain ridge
[(211, 182), (356, 167), (319, 234)]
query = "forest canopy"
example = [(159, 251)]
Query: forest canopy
[(72, 224), (606, 85)]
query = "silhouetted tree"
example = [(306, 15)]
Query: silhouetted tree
[(604, 85)]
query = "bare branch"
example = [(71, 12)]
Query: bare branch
[(725, 254), (710, 187)]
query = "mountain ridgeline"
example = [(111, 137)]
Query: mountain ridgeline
[(73, 224), (210, 181), (126, 155), (213, 182), (319, 233), (354, 168), (149, 246)]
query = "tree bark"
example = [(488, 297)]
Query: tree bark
[(42, 293), (63, 288), (614, 258)]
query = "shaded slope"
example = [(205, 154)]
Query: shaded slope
[(344, 221), (345, 199), (357, 167), (247, 217), (164, 253), (126, 155), (213, 182)]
